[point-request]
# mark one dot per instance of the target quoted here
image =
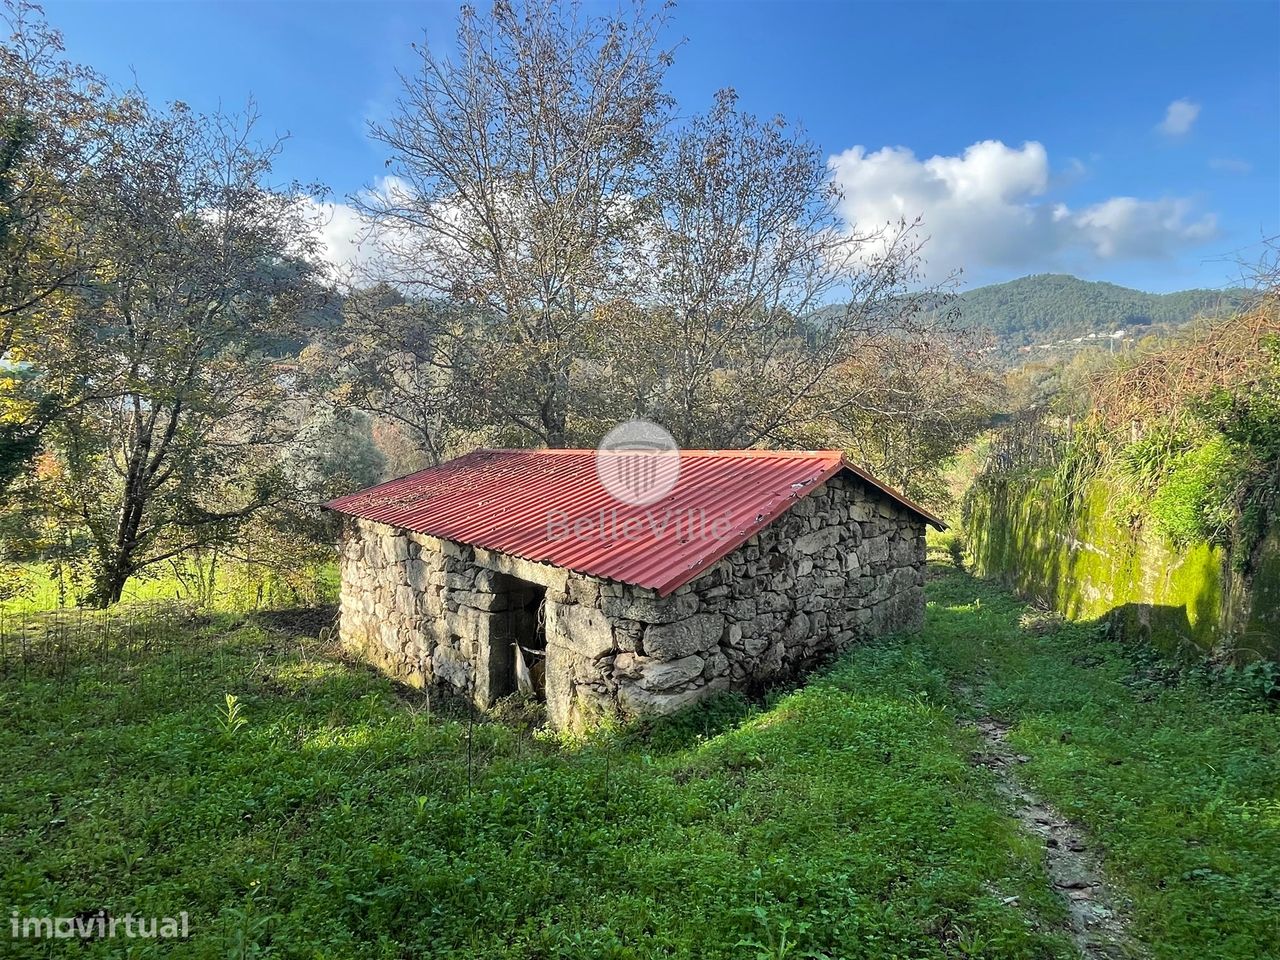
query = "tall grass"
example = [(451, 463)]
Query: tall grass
[(231, 587)]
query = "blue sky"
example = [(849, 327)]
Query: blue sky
[(1132, 142)]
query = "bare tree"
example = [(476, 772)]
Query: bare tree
[(519, 176), (401, 361), (602, 260), (749, 253)]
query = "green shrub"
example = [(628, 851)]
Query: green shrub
[(1150, 459), (1192, 502)]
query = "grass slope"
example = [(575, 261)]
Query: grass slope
[(840, 820), (1176, 774)]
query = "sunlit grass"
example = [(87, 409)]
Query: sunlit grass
[(237, 587), (346, 819)]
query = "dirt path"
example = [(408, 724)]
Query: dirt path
[(1097, 920)]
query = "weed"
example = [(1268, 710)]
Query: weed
[(231, 716)]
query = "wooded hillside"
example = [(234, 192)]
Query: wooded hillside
[(1049, 306)]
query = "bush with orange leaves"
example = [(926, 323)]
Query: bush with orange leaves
[(1227, 356)]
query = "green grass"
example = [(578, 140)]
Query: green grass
[(33, 588), (843, 819), (1175, 772)]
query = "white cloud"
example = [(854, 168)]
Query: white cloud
[(346, 243), (990, 207), (1125, 228), (1231, 165), (341, 234), (1178, 117)]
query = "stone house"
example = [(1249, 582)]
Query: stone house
[(516, 570)]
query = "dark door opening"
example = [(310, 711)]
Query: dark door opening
[(519, 657)]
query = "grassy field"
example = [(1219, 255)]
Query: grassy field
[(346, 817), (235, 586)]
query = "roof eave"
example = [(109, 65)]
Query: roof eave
[(932, 519)]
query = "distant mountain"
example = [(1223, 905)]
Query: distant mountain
[(1049, 307)]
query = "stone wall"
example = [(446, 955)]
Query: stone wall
[(845, 562), (1090, 561)]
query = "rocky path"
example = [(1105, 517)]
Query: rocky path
[(1097, 921)]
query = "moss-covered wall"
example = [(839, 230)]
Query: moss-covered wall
[(1253, 603), (1078, 556)]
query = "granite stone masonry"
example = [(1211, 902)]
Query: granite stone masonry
[(843, 563)]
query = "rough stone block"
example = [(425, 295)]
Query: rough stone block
[(636, 699), (667, 675), (876, 550), (628, 665), (733, 636), (754, 644), (470, 623), (797, 629), (652, 609), (584, 592), (770, 662), (717, 665), (627, 635), (461, 580), (671, 641), (584, 630), (772, 602), (448, 664), (804, 508), (482, 601), (418, 574)]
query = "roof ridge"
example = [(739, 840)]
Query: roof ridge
[(683, 451)]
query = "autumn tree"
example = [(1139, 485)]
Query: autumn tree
[(54, 125), (198, 267), (907, 408), (402, 361), (581, 255), (519, 171)]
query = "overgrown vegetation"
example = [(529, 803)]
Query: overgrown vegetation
[(1175, 770), (339, 815), (211, 582), (1191, 432), (183, 371)]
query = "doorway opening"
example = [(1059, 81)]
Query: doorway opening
[(518, 658)]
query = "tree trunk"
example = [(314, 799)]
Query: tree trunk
[(111, 574), (115, 562)]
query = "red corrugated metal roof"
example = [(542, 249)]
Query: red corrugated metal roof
[(527, 503)]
